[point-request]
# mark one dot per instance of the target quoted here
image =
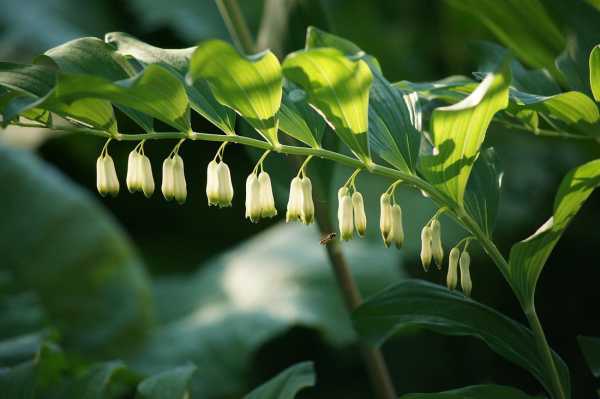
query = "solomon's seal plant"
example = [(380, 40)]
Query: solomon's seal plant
[(288, 103)]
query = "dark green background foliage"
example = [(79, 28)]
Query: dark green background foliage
[(195, 298)]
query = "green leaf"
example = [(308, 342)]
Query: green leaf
[(317, 38), (523, 26), (101, 381), (595, 72), (298, 119), (91, 56), (339, 89), (252, 86), (286, 384), (416, 303), (177, 61), (170, 384), (35, 83), (155, 91), (590, 347), (285, 281), (528, 257), (459, 130), (65, 250), (473, 392), (483, 190)]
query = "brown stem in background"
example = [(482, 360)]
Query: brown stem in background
[(372, 356)]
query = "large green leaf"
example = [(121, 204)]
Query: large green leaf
[(278, 279), (595, 72), (339, 89), (106, 380), (59, 246), (91, 56), (393, 113), (523, 26), (286, 384), (252, 86), (483, 190), (170, 384), (33, 87), (473, 392), (459, 130), (416, 303), (590, 347), (298, 119), (177, 60), (528, 257), (155, 91)]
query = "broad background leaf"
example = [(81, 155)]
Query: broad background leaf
[(170, 384), (474, 392), (286, 384), (590, 347)]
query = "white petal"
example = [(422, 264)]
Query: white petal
[(224, 185), (360, 217), (146, 176), (294, 206), (179, 184), (212, 184), (168, 179), (267, 201), (308, 206)]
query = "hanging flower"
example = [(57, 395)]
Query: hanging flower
[(308, 206), (397, 232), (437, 249), (253, 198), (385, 218), (452, 277), (107, 182), (173, 183), (212, 183), (139, 173), (360, 217), (133, 171), (267, 201), (426, 247), (345, 214), (295, 201), (465, 274)]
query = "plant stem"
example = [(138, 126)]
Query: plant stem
[(544, 349), (236, 25)]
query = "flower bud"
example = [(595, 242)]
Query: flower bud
[(212, 183), (294, 206), (107, 182), (224, 185), (133, 166), (452, 277), (267, 201), (145, 176), (167, 179), (360, 218), (397, 233), (179, 185), (465, 274), (345, 217), (253, 198), (426, 247), (308, 206), (436, 243), (385, 218)]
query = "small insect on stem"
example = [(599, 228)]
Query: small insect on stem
[(328, 238)]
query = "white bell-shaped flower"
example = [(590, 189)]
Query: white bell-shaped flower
[(212, 183), (179, 184), (385, 218), (133, 170), (345, 214), (308, 206), (437, 250), (146, 176), (465, 274), (397, 232), (107, 182), (267, 201), (360, 217), (168, 182), (225, 187), (452, 277), (253, 198), (426, 247), (294, 206)]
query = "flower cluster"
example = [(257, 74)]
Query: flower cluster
[(390, 221), (463, 260), (107, 182), (260, 202), (139, 172), (351, 210)]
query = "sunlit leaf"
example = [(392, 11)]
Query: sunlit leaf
[(483, 190), (155, 91), (528, 257), (252, 86), (595, 72), (66, 251), (473, 392), (339, 89), (317, 38), (177, 61), (91, 56), (170, 384), (286, 384), (416, 303), (36, 83), (459, 130)]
